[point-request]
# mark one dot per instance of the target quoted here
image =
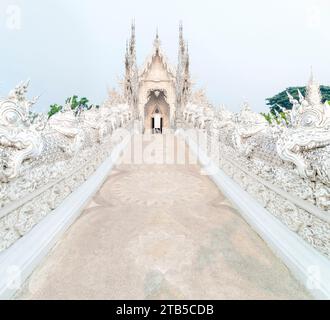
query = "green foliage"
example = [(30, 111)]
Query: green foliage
[(268, 117), (275, 117), (281, 99), (76, 104), (283, 117), (54, 108)]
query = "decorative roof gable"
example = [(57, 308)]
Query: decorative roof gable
[(157, 51)]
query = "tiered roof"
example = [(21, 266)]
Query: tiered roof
[(157, 51)]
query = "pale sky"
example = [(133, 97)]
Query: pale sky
[(240, 50)]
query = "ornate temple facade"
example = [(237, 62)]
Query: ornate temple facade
[(157, 92)]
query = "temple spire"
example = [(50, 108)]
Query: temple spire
[(311, 78), (157, 40), (127, 48), (313, 94), (133, 39), (133, 29), (132, 77), (181, 39), (182, 78)]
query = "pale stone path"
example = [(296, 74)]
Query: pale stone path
[(161, 232)]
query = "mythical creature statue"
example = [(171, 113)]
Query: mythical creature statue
[(42, 161), (70, 126), (92, 119), (247, 125), (309, 129), (20, 136), (283, 165), (198, 110)]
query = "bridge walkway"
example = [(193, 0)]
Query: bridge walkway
[(161, 231)]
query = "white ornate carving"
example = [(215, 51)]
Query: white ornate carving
[(285, 167), (43, 162), (20, 138), (247, 125), (310, 123), (294, 142)]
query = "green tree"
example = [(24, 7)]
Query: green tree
[(54, 108), (77, 105), (281, 99), (275, 116)]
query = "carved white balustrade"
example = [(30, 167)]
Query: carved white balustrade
[(285, 168), (42, 162)]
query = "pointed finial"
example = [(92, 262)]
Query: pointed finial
[(133, 31), (181, 31), (181, 40), (26, 83), (289, 95), (313, 93), (132, 41), (301, 97), (157, 40), (312, 79)]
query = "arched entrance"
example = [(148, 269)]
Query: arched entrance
[(157, 122), (157, 112)]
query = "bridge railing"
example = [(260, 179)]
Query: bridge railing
[(285, 167), (42, 160)]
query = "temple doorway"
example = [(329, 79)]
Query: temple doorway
[(157, 122), (157, 113)]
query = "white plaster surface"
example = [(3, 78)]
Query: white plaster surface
[(157, 231)]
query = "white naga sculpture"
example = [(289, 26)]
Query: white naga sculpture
[(247, 124), (42, 162), (285, 166), (198, 110), (20, 136), (310, 124)]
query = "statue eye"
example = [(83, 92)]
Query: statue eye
[(11, 117)]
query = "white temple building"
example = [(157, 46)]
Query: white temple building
[(157, 91)]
